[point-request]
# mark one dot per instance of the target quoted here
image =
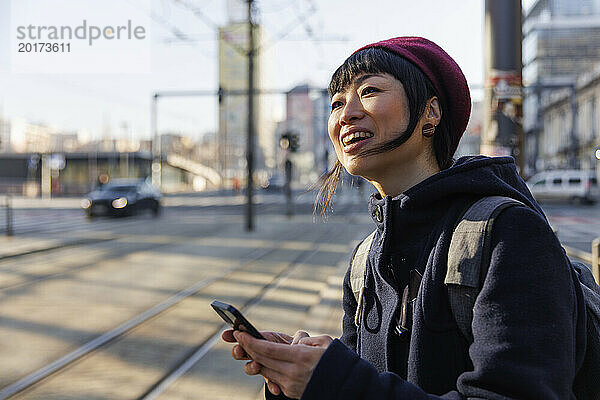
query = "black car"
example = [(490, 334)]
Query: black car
[(122, 197)]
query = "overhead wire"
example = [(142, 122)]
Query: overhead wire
[(201, 15), (164, 22)]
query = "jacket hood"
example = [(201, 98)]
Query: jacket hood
[(472, 176)]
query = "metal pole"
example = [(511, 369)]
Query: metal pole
[(250, 144), (503, 132), (46, 179), (596, 259), (573, 161), (156, 150), (9, 224), (288, 187)]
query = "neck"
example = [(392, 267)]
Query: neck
[(393, 184)]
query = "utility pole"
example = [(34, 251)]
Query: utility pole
[(250, 146), (503, 107), (156, 148)]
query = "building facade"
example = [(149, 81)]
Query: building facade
[(307, 112), (557, 112), (470, 142), (233, 103), (561, 42), (4, 136)]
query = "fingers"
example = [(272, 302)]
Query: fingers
[(289, 367), (299, 335), (318, 341), (273, 387), (238, 353), (277, 337), (228, 336), (290, 386), (252, 368), (273, 378), (261, 349)]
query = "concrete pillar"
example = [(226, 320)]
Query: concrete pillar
[(503, 105)]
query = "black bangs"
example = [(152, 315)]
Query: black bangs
[(368, 61)]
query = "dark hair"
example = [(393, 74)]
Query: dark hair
[(419, 90)]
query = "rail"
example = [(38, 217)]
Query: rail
[(61, 364)]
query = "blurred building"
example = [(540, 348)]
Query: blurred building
[(557, 117), (29, 137), (233, 107), (4, 136), (471, 140), (175, 143), (206, 150), (76, 173), (561, 41), (233, 102), (307, 111)]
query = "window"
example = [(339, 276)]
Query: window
[(557, 181), (540, 183), (574, 181), (593, 181)]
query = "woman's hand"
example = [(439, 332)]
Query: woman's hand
[(289, 367), (275, 337), (238, 352)]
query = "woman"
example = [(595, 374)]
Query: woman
[(398, 110)]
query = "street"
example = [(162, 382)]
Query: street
[(118, 308)]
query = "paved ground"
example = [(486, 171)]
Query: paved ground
[(576, 225), (65, 280), (114, 269)]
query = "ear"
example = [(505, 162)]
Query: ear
[(433, 113)]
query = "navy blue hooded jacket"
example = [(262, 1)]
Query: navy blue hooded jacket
[(529, 318)]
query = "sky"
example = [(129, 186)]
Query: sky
[(305, 42)]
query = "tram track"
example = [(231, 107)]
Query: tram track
[(54, 369), (15, 261), (195, 354)]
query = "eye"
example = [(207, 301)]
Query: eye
[(336, 104), (368, 90)]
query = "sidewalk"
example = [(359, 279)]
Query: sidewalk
[(15, 246)]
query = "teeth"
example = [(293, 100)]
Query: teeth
[(355, 135)]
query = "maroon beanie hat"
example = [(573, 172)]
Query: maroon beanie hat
[(443, 72)]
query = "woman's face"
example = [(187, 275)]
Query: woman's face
[(370, 111)]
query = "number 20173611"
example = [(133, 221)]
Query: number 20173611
[(43, 47)]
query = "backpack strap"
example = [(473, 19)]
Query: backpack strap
[(357, 272), (469, 257)]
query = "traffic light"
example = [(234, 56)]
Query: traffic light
[(294, 142), (284, 141), (289, 141)]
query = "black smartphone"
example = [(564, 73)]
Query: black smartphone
[(233, 317)]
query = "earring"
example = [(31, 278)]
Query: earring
[(428, 130)]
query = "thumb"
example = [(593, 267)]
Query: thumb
[(318, 341)]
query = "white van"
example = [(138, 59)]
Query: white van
[(571, 185)]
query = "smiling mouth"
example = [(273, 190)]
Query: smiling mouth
[(356, 137)]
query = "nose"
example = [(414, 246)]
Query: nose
[(352, 111)]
